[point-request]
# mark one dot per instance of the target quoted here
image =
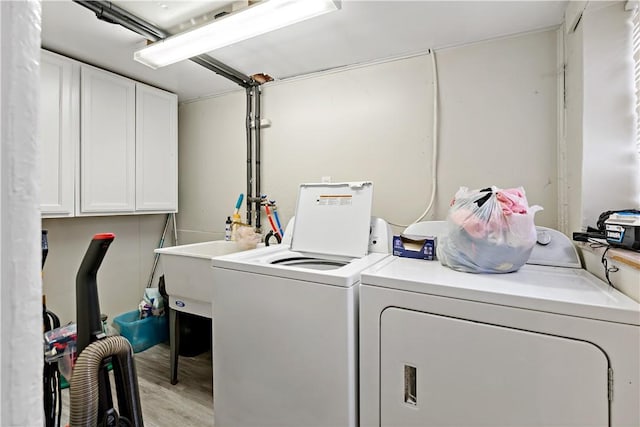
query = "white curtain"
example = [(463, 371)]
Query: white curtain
[(636, 70)]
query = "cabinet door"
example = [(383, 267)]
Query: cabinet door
[(107, 143), (59, 130), (156, 149), (442, 371)]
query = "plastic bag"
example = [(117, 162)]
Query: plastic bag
[(488, 231), (152, 303), (246, 237)]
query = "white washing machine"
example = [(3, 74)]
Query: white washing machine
[(286, 317), (544, 346)]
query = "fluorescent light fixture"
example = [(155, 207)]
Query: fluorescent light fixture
[(265, 16)]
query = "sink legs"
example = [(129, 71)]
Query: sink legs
[(174, 343)]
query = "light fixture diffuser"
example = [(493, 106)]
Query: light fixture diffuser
[(265, 16)]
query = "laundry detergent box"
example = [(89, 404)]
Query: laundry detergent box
[(413, 246)]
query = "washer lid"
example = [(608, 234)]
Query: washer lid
[(333, 219)]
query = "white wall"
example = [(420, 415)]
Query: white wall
[(603, 162), (211, 169), (574, 98), (497, 120), (499, 114), (21, 359), (124, 272), (603, 167)]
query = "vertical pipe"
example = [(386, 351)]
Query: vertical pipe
[(249, 156), (256, 116), (157, 255), (175, 230)]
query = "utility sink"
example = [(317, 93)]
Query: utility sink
[(188, 274), (189, 284)]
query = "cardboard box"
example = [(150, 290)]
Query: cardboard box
[(412, 246)]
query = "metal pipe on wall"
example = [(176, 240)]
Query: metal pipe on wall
[(249, 197), (111, 13), (222, 70), (256, 121), (106, 11)]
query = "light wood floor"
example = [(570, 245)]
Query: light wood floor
[(187, 404)]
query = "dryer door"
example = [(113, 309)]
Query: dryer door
[(442, 371)]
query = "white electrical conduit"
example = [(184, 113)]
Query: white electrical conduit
[(434, 153)]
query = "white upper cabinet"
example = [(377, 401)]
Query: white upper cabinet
[(59, 130), (156, 149), (107, 142)]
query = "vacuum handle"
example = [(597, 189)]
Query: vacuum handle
[(89, 324), (95, 253)]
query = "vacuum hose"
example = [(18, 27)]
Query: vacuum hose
[(84, 386)]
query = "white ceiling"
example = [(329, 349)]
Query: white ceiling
[(361, 32)]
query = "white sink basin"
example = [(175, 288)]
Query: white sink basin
[(188, 274)]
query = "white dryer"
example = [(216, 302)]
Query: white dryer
[(544, 346), (285, 328)]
